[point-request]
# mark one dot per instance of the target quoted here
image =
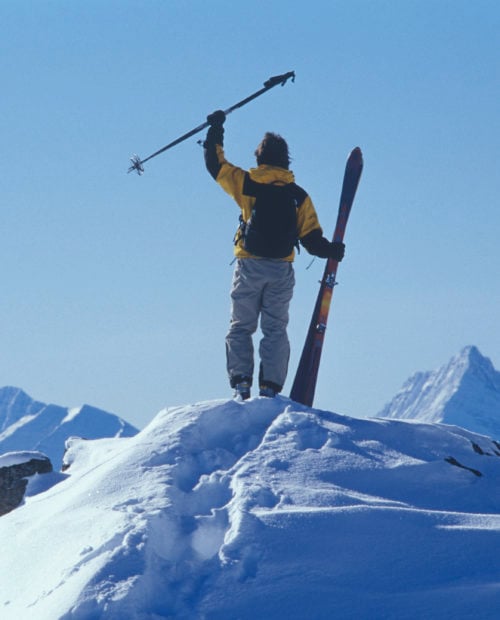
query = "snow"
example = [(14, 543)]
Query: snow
[(17, 458), (73, 412), (227, 510)]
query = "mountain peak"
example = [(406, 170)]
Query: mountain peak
[(463, 392), (470, 351), (14, 405), (473, 357), (26, 424)]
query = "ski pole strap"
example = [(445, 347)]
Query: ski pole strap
[(138, 163), (279, 79), (268, 84)]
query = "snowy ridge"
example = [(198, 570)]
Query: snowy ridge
[(16, 458), (262, 509), (27, 424), (464, 392)]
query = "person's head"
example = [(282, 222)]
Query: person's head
[(273, 151)]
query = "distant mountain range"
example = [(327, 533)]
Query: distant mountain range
[(26, 424), (464, 392)]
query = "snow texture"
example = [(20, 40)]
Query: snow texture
[(230, 510)]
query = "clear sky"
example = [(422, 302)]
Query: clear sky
[(115, 288)]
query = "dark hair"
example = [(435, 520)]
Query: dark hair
[(273, 151)]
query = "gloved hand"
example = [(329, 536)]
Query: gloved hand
[(337, 250), (216, 119)]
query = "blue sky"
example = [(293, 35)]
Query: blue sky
[(115, 287)]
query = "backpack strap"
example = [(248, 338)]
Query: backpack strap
[(240, 233)]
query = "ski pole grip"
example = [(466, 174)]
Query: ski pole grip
[(280, 79)]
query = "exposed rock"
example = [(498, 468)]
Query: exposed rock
[(15, 469)]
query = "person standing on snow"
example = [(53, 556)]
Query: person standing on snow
[(263, 279)]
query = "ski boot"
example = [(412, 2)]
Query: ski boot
[(242, 388), (267, 390)]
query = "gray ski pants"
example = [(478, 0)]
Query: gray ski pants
[(261, 287)]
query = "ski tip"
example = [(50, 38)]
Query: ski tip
[(356, 157)]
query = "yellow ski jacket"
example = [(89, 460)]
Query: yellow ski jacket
[(231, 179)]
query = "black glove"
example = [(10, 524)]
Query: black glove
[(337, 250), (216, 119), (215, 133)]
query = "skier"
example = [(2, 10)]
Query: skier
[(263, 278)]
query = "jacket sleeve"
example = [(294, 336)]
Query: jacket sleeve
[(307, 219), (311, 233), (215, 136), (316, 244), (228, 176)]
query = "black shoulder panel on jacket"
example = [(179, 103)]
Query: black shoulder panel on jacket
[(253, 188)]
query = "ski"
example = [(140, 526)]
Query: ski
[(304, 384)]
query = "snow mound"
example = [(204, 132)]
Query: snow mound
[(261, 509)]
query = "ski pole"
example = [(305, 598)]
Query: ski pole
[(138, 163)]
